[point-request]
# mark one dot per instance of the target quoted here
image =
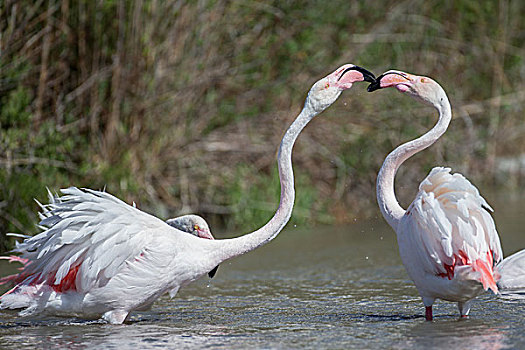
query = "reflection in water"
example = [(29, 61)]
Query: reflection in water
[(324, 288), (455, 334)]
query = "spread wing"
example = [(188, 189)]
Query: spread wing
[(449, 225), (87, 236)]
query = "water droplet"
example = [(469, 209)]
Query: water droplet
[(366, 257)]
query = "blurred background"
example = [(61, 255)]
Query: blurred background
[(180, 106)]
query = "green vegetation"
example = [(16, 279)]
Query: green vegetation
[(180, 105)]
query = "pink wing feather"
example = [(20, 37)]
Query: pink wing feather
[(87, 237)]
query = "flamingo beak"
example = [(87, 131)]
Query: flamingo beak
[(400, 80), (354, 74), (367, 75), (205, 234)]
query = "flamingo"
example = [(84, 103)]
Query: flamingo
[(98, 257), (447, 238)]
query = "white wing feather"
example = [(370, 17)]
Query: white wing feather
[(91, 228), (448, 218), (512, 276)]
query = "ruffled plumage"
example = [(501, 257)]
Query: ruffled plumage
[(94, 249), (448, 234)]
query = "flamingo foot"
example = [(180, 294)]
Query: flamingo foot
[(464, 309), (428, 313), (115, 316)]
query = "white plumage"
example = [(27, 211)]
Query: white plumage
[(511, 276), (447, 238), (98, 253)]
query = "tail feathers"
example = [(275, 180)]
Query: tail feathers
[(16, 278), (480, 271), (10, 278), (21, 296), (487, 276), (510, 276), (12, 258)]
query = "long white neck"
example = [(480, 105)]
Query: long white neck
[(386, 197), (229, 248)]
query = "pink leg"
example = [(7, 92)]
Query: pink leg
[(428, 313), (464, 309)]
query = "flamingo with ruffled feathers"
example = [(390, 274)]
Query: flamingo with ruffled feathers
[(100, 257), (447, 238)]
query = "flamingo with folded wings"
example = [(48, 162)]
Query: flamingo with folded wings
[(447, 238)]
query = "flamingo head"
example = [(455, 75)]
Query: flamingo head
[(422, 88), (193, 224), (324, 92)]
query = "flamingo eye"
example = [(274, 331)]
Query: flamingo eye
[(196, 227), (423, 80), (327, 85)]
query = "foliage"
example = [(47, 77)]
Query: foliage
[(180, 105)]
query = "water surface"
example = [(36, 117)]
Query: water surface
[(325, 287)]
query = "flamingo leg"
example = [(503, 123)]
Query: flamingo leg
[(428, 313), (464, 309)]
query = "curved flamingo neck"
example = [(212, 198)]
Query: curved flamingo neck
[(233, 247), (386, 197)]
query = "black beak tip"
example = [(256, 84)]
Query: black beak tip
[(367, 75), (369, 78), (376, 85), (213, 272)]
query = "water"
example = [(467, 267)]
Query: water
[(329, 287)]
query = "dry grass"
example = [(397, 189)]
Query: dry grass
[(180, 105)]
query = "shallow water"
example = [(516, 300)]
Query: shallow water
[(331, 287)]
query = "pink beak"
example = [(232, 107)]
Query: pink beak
[(392, 79), (349, 74), (205, 234)]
